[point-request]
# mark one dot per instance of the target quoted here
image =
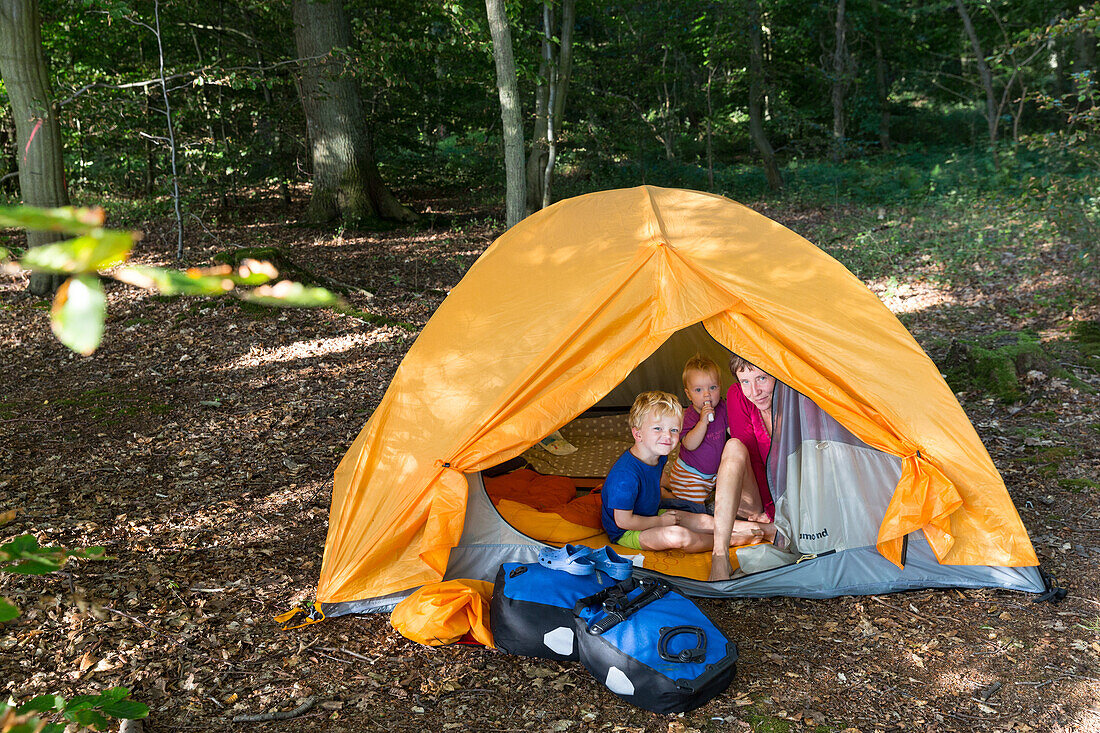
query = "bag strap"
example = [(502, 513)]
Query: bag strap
[(695, 654), (617, 603)]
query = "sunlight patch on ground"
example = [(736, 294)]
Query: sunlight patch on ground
[(312, 348), (965, 683), (909, 297)]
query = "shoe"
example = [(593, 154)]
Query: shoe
[(572, 559), (612, 563)]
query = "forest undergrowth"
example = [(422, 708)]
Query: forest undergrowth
[(198, 444)]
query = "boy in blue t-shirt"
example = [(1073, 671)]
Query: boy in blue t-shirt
[(631, 512)]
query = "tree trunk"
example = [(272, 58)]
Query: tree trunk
[(880, 81), (756, 94), (841, 80), (37, 132), (986, 78), (508, 90), (346, 181), (710, 128), (536, 159), (555, 69), (560, 71), (1084, 60)]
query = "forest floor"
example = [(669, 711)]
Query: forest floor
[(198, 445)]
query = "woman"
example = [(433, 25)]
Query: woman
[(742, 488), (749, 406)]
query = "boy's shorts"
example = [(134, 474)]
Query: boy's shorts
[(632, 538), (690, 483)]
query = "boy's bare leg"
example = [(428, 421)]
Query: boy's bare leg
[(675, 538)]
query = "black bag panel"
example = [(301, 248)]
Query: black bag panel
[(642, 686), (531, 612)]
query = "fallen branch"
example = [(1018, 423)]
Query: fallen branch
[(342, 650), (302, 709)]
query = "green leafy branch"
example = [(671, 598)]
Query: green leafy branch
[(80, 306), (88, 711), (24, 556)]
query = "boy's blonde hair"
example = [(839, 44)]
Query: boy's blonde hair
[(660, 404), (700, 363)]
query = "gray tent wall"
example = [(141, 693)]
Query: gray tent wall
[(488, 541)]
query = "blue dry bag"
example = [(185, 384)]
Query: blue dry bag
[(653, 647)]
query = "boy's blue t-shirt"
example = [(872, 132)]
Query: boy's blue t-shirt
[(631, 485)]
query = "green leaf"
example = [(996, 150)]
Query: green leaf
[(27, 558), (33, 566), (15, 548), (126, 710), (78, 703), (174, 282), (287, 294), (89, 553), (91, 719), (78, 312), (88, 253), (7, 610), (114, 694), (42, 704), (68, 219), (22, 543), (250, 279), (5, 253)]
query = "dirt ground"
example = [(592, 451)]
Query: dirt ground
[(198, 444)]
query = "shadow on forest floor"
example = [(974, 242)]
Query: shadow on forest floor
[(198, 446)]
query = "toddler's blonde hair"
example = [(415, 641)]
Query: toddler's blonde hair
[(660, 404), (700, 363)]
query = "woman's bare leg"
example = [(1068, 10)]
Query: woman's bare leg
[(736, 494)]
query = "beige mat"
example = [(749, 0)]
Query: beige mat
[(599, 441)]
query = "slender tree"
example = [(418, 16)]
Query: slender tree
[(511, 118), (37, 132), (555, 70), (841, 72), (880, 79), (346, 181), (986, 77), (756, 97)]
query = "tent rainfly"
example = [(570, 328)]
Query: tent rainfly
[(878, 475)]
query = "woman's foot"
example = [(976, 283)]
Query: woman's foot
[(720, 567), (772, 534), (746, 535)]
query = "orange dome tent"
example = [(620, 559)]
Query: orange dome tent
[(566, 306)]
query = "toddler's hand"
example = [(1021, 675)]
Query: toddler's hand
[(707, 413), (671, 518)]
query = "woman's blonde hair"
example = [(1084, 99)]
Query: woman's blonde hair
[(660, 404)]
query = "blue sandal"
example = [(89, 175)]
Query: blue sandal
[(612, 563), (581, 560), (572, 559)]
